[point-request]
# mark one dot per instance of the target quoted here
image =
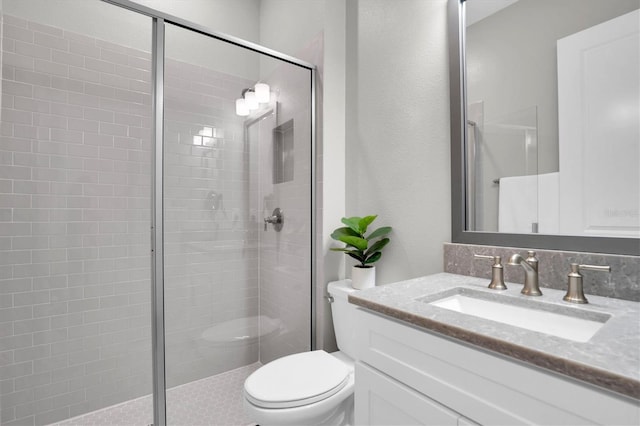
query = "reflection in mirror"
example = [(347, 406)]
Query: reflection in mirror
[(553, 117)]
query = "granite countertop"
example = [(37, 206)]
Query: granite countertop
[(610, 359)]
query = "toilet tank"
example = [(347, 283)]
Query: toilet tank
[(344, 316)]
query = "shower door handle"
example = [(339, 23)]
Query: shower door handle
[(276, 219)]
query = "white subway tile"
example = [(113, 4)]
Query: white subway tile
[(85, 48), (47, 120), (16, 88), (40, 228), (51, 201), (27, 132), (66, 294), (33, 380), (49, 40), (49, 174), (15, 144), (49, 282), (70, 111), (48, 255), (83, 125), (49, 364), (68, 84), (64, 188), (49, 94), (83, 75), (31, 215), (68, 136), (85, 151), (113, 153), (51, 68), (66, 347), (13, 229), (14, 342), (99, 115), (15, 172), (99, 90), (17, 32), (32, 77), (99, 65), (47, 147), (31, 353), (32, 50), (65, 268), (67, 58), (82, 228), (65, 241), (33, 105), (48, 310), (14, 116), (60, 162), (66, 320), (84, 100)]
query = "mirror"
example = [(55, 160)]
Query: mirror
[(546, 123)]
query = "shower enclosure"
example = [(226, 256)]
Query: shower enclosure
[(137, 269)]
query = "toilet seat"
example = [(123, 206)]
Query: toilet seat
[(296, 380)]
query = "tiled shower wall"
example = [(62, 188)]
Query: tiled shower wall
[(74, 230), (75, 218)]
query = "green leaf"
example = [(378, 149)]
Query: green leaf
[(373, 258), (377, 246), (342, 232), (356, 257), (357, 242), (379, 232), (365, 222), (353, 223)]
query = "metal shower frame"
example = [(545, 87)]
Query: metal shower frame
[(157, 219)]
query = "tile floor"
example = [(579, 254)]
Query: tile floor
[(215, 400)]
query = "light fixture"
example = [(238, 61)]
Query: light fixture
[(262, 93), (252, 98), (241, 107)]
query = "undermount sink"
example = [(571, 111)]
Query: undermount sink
[(567, 323)]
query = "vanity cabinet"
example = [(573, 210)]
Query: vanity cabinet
[(406, 375)]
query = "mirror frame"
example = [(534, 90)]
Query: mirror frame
[(459, 234)]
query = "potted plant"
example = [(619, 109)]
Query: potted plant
[(366, 249)]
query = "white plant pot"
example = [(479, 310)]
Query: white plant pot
[(362, 278)]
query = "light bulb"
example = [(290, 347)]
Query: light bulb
[(251, 100), (241, 107), (262, 93)]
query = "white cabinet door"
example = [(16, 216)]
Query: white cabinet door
[(380, 400)]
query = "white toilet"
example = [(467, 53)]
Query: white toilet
[(309, 388)]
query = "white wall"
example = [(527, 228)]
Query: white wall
[(397, 158)]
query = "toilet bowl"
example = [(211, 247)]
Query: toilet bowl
[(309, 388)]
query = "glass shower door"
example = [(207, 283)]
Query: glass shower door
[(237, 289)]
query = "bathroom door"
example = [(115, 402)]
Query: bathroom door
[(599, 125)]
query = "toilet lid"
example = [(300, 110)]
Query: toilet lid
[(296, 380)]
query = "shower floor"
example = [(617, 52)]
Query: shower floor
[(216, 400)]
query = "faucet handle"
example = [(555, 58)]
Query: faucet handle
[(575, 293), (497, 272)]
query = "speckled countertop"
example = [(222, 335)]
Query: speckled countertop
[(610, 359)]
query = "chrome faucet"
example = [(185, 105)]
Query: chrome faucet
[(530, 266)]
